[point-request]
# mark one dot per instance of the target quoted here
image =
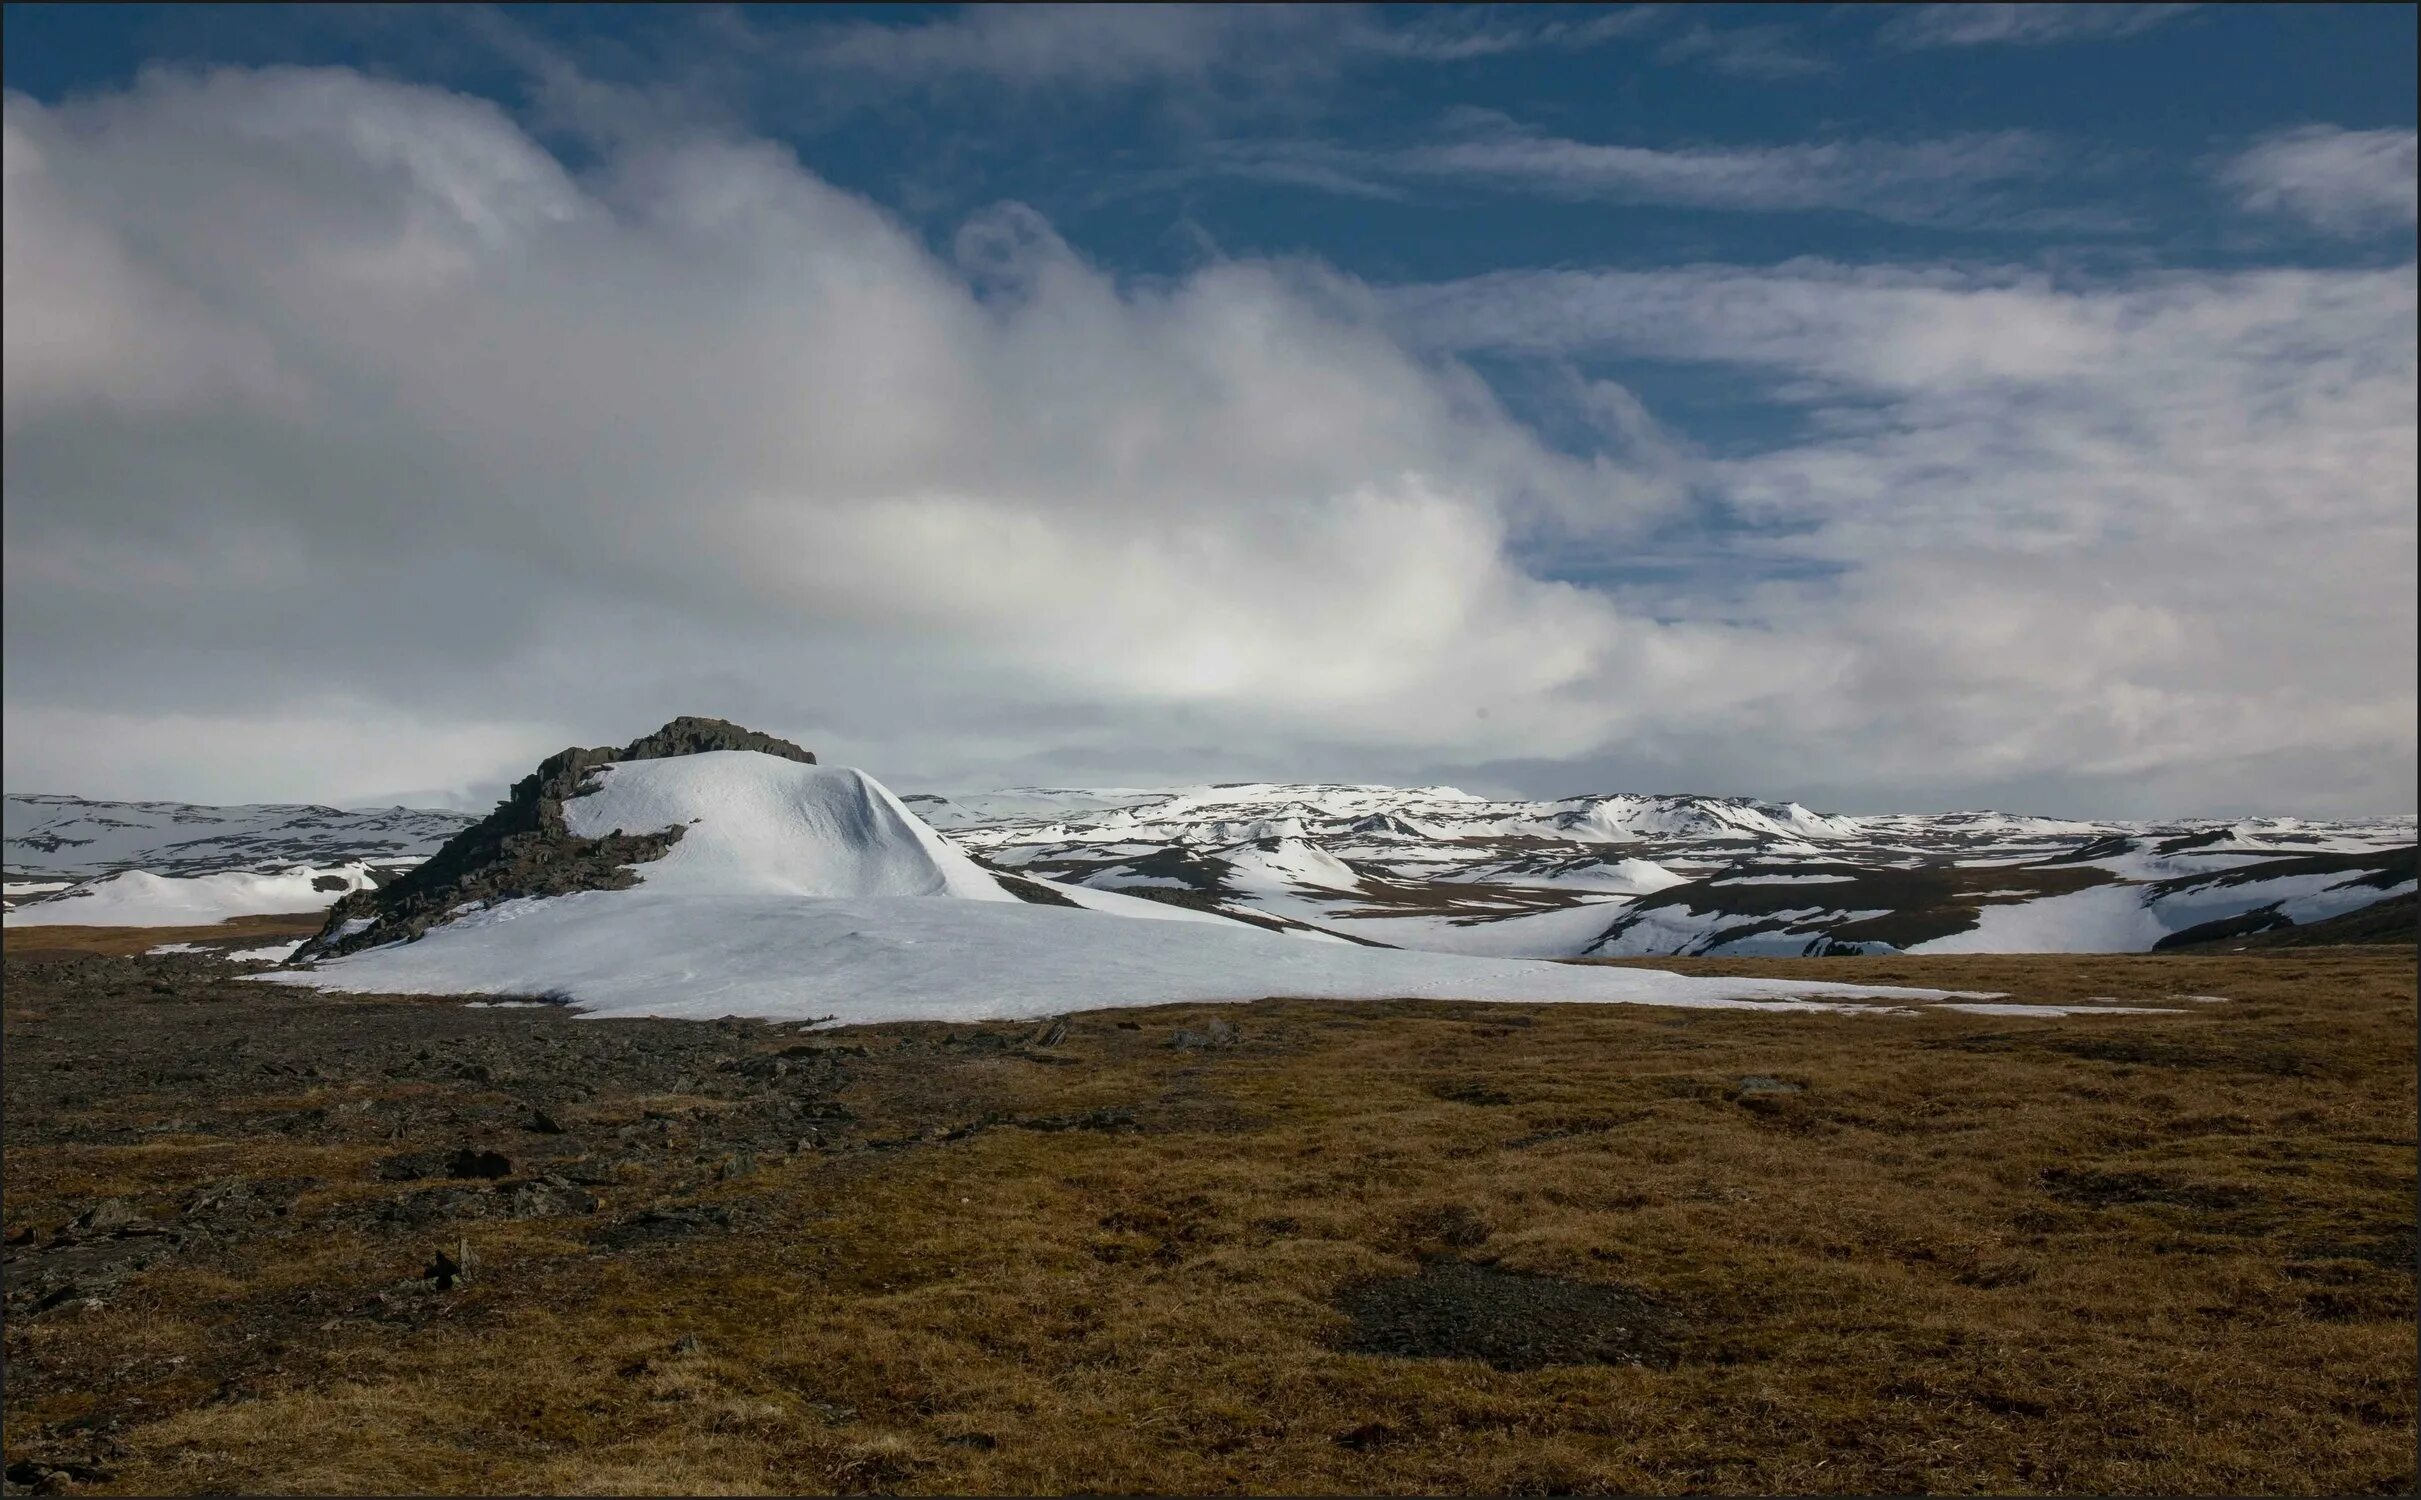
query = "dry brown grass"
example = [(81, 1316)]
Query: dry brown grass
[(28, 942), (2111, 1254)]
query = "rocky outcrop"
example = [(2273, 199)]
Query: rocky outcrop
[(524, 849)]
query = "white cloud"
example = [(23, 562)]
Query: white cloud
[(1035, 45), (459, 429), (1766, 52), (1109, 47), (2345, 182), (356, 443), (1916, 27), (1942, 180), (2102, 530)]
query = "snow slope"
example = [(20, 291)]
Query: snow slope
[(854, 960), (138, 898), (808, 892), (760, 825)]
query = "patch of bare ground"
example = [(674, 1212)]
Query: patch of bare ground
[(64, 940), (256, 1242)]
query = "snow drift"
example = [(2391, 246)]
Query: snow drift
[(138, 898)]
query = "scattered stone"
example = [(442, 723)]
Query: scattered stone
[(109, 1216), (654, 1225), (413, 1166), (1216, 1034), (1104, 1118), (548, 1198), (825, 1050), (46, 1476), (1758, 1083), (1509, 1319)]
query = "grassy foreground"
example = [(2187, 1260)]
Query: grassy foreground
[(2140, 1254)]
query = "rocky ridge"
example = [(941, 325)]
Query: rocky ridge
[(523, 848)]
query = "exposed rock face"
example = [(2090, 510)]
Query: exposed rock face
[(523, 847)]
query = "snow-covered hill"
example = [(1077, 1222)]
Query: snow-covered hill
[(50, 838), (150, 864), (782, 889)]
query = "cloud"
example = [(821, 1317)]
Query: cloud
[(1970, 182), (1109, 47), (2068, 529), (1766, 52), (2342, 182), (1937, 180), (1038, 45), (437, 423), (356, 442), (1919, 27)]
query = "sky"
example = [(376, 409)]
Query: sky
[(1891, 408)]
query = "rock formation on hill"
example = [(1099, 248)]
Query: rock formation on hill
[(523, 847)]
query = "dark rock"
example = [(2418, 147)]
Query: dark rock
[(1370, 1434), (65, 1292), (443, 1272), (982, 1442), (486, 1165), (1032, 892), (542, 1123), (653, 1225), (49, 1476), (1470, 1093), (1511, 1320)]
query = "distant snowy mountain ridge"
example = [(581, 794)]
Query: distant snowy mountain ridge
[(1441, 869), (1433, 868)]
